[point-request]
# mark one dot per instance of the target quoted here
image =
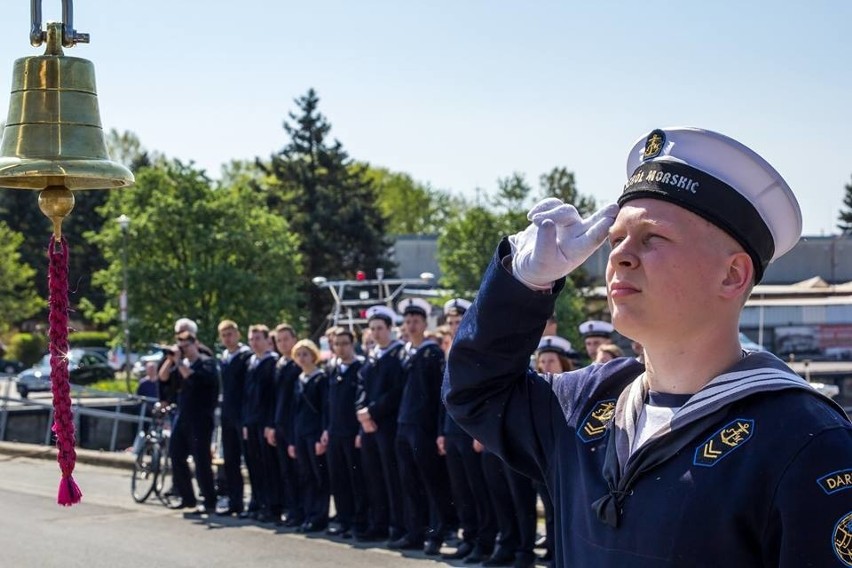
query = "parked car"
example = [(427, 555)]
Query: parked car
[(116, 358), (10, 366), (85, 366), (154, 354)]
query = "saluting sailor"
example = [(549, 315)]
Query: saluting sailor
[(707, 455)]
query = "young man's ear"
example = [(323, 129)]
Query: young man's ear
[(739, 277)]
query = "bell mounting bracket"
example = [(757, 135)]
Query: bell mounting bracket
[(70, 36)]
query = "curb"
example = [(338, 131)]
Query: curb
[(118, 460)]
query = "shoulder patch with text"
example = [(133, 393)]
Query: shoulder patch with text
[(718, 446), (593, 426), (836, 481)]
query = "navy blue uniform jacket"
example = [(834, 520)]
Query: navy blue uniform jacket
[(342, 390), (199, 391), (755, 472), (259, 392), (421, 395), (309, 401), (233, 369), (380, 384), (286, 376)]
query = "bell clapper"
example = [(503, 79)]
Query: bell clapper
[(56, 202)]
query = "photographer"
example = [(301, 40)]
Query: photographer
[(193, 425)]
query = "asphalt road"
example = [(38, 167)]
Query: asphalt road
[(109, 530)]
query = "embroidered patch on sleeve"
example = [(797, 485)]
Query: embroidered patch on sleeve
[(593, 426), (718, 446), (843, 539), (836, 481)]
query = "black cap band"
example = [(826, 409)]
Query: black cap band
[(414, 309), (708, 197), (380, 316)]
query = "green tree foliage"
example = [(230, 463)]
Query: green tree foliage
[(845, 216), (198, 251), (329, 202), (126, 148), (28, 348), (18, 296), (465, 247), (560, 183), (411, 207)]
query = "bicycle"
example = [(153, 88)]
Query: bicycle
[(152, 467)]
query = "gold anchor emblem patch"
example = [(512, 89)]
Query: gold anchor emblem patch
[(654, 144), (593, 427), (723, 442)]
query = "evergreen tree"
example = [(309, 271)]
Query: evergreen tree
[(329, 202), (845, 217), (18, 298)]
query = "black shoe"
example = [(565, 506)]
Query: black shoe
[(432, 548), (477, 555), (405, 543), (293, 523), (500, 557), (311, 527), (524, 563), (463, 551), (199, 511), (338, 531), (371, 535), (248, 515), (229, 512)]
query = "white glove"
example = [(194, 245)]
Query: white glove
[(557, 241)]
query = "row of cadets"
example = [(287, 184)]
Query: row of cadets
[(429, 512), (467, 476), (380, 387), (341, 435)]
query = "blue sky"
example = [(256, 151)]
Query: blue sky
[(461, 93)]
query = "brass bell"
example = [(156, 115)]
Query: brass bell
[(53, 136)]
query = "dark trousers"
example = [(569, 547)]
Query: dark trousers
[(291, 501), (254, 464), (381, 476), (427, 485), (524, 500), (232, 453), (470, 491), (347, 483), (191, 436), (501, 502), (313, 480), (271, 477), (547, 501)]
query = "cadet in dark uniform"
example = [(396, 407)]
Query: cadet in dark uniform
[(467, 478), (233, 363), (595, 333), (380, 383), (427, 485), (193, 426), (707, 455), (344, 459), (310, 400), (286, 375), (258, 398)]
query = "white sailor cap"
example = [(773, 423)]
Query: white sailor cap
[(596, 328), (721, 180), (417, 306), (456, 305), (381, 312), (555, 344)]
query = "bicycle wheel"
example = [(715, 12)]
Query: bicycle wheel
[(165, 487), (145, 472)]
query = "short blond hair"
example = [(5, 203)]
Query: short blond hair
[(227, 324), (306, 344)]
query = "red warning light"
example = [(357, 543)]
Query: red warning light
[(360, 276)]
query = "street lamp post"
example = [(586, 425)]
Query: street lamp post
[(124, 223)]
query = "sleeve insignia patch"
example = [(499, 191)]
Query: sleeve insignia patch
[(594, 425), (836, 481), (843, 539), (723, 442)]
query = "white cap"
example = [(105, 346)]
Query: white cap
[(721, 180), (457, 305), (414, 306), (596, 328), (555, 344), (186, 324), (381, 312)]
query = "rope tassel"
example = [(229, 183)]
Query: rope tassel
[(63, 421)]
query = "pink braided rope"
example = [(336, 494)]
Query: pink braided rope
[(63, 419)]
